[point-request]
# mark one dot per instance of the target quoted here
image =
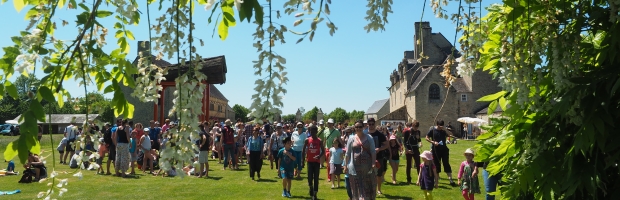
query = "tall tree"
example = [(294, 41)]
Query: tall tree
[(311, 115), (241, 112), (289, 118), (356, 115), (339, 115)]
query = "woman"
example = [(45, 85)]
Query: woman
[(413, 143), (399, 134), (39, 167), (255, 145), (121, 139), (216, 133), (360, 159)]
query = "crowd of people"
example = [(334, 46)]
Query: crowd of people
[(360, 152)]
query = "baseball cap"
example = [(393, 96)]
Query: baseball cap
[(330, 121)]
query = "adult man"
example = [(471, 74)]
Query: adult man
[(329, 135), (437, 137), (154, 132), (299, 139), (227, 142), (276, 143), (204, 146), (381, 146), (70, 134), (313, 151)]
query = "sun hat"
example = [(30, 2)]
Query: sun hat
[(320, 122), (469, 151), (146, 129), (330, 121), (427, 155), (392, 137), (299, 123), (228, 122), (365, 122)]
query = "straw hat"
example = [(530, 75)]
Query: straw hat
[(427, 155), (228, 122)]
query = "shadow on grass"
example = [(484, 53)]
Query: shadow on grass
[(132, 176), (446, 187), (214, 178), (266, 180), (400, 184), (299, 197), (387, 196)]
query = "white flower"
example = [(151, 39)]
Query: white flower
[(40, 195), (36, 31), (79, 175), (54, 173), (62, 190), (209, 4), (238, 4)]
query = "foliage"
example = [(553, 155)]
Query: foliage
[(560, 77), (356, 115), (311, 114), (339, 115), (241, 112), (288, 118)]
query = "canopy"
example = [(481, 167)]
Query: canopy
[(471, 120), (11, 122)]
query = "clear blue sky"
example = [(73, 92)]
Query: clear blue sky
[(349, 70)]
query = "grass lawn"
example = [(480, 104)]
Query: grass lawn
[(221, 184)]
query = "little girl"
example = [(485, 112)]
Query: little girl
[(395, 156), (102, 150), (468, 176), (428, 175), (335, 161)]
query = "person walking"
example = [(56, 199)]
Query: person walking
[(276, 142), (287, 165), (299, 139), (381, 147), (255, 146), (328, 136), (441, 154), (428, 177), (360, 164), (313, 151), (413, 143), (468, 176), (228, 142)]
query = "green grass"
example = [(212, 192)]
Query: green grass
[(222, 184)]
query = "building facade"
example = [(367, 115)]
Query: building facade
[(418, 91)]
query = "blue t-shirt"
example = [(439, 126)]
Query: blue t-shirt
[(154, 132), (287, 163), (132, 148)]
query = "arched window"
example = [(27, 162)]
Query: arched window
[(433, 92)]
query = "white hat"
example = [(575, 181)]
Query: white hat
[(279, 125), (320, 121), (365, 122), (299, 123), (330, 121), (469, 151), (146, 129)]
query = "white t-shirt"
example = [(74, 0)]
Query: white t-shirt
[(298, 141), (335, 156), (70, 132)]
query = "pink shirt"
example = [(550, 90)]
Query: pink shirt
[(462, 168), (165, 127)]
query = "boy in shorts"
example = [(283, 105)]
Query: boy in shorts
[(286, 159)]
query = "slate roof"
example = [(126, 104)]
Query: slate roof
[(445, 45), (65, 118), (420, 78), (376, 106), (214, 92), (460, 85)]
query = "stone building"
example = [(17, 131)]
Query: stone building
[(218, 105), (213, 67), (230, 113), (378, 109), (417, 89)]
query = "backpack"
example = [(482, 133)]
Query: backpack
[(229, 135), (28, 176)]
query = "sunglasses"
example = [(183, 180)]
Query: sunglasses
[(370, 124), (359, 126)]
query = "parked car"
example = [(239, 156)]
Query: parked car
[(5, 129)]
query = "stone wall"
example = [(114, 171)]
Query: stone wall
[(426, 110)]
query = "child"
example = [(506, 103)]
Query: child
[(468, 176), (428, 175), (395, 156), (61, 148), (102, 151), (335, 161), (287, 166)]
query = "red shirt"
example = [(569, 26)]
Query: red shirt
[(314, 149), (139, 134)]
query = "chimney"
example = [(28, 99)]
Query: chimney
[(144, 47), (425, 28), (409, 54)]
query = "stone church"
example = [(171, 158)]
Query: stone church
[(417, 89)]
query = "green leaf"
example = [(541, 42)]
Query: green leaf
[(122, 43), (60, 99), (37, 109), (492, 108), (258, 13), (119, 33), (84, 7), (19, 4), (103, 13), (11, 150), (11, 89), (128, 111), (492, 97), (82, 18), (222, 29), (130, 35), (503, 103), (46, 93), (61, 3)]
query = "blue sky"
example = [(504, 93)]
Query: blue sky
[(348, 70)]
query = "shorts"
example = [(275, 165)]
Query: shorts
[(69, 146), (112, 153), (100, 161), (203, 157), (287, 174), (335, 169), (61, 152), (383, 167), (134, 157), (395, 161)]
